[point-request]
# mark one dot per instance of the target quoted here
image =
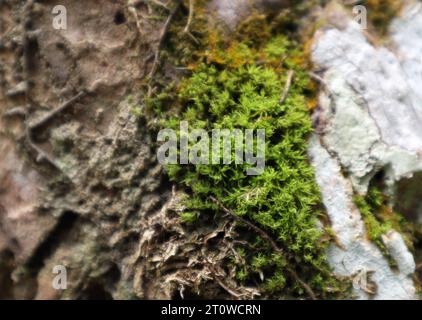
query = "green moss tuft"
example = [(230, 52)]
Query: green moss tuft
[(379, 218), (240, 88), (189, 217), (237, 83), (368, 206)]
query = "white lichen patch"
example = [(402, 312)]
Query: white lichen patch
[(370, 119), (373, 114), (356, 254)]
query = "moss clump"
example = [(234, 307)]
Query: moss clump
[(189, 217), (237, 84), (379, 218), (368, 207), (185, 52)]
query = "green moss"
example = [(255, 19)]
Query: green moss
[(276, 282), (379, 218), (239, 88), (189, 217), (182, 48), (237, 83), (368, 206)]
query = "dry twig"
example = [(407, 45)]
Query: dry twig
[(191, 8), (16, 112), (320, 80), (159, 4), (163, 34), (56, 111), (258, 230), (287, 86)]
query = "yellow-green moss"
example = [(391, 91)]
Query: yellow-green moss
[(237, 82), (379, 218)]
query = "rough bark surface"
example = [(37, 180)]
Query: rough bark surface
[(80, 185)]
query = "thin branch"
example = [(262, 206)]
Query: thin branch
[(287, 86), (16, 112), (317, 78), (225, 287), (160, 4), (56, 111), (258, 230), (274, 245), (216, 277), (320, 80), (163, 34), (191, 9), (304, 285), (30, 128)]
